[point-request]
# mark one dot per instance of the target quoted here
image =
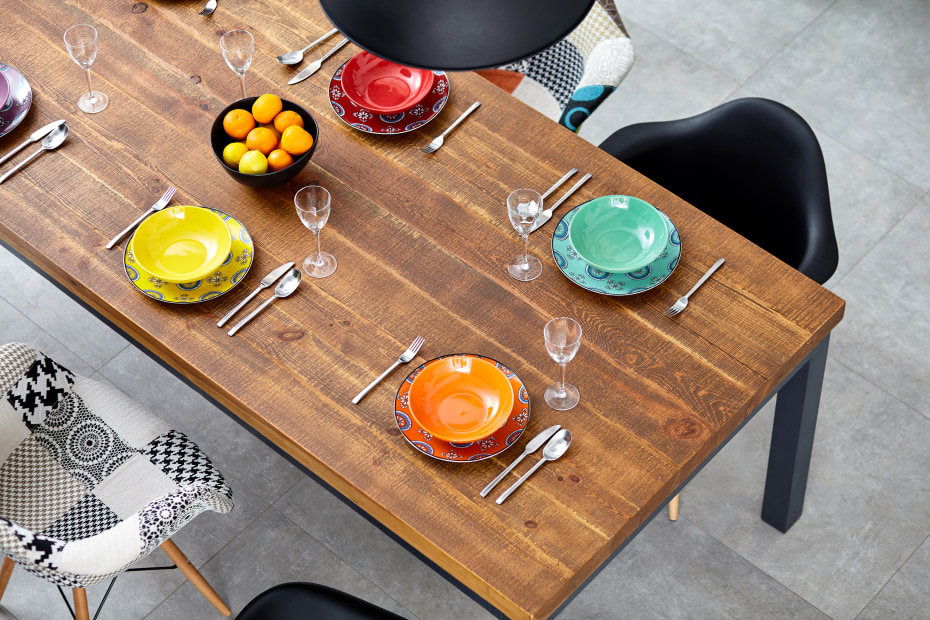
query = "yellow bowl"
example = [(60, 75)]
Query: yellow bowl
[(181, 244)]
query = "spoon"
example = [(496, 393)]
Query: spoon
[(284, 288), (556, 447), (51, 141), (293, 58)]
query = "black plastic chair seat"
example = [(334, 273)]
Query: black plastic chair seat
[(311, 601)]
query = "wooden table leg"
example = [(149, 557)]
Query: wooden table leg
[(673, 509), (194, 576), (792, 441), (80, 604), (5, 571)]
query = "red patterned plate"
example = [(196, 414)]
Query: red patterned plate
[(402, 122), (478, 450)]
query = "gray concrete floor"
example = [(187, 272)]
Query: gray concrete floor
[(858, 71)]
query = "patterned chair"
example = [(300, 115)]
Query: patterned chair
[(567, 81), (90, 482)]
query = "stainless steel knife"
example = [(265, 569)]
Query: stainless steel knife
[(267, 281), (534, 445), (37, 135), (547, 214), (314, 66)]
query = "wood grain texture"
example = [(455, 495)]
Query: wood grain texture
[(421, 242)]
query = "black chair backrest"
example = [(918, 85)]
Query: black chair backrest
[(311, 601), (752, 164)]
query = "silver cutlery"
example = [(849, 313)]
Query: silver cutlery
[(405, 357), (208, 10), (559, 182), (546, 215), (314, 66), (284, 288), (531, 447), (51, 141), (433, 146), (158, 206), (556, 447), (37, 135), (267, 281), (293, 58), (682, 302)]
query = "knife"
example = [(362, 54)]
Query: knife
[(547, 214), (267, 281), (534, 445), (314, 66), (37, 135)]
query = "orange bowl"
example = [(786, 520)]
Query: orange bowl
[(461, 399)]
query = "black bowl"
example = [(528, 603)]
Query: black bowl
[(219, 140)]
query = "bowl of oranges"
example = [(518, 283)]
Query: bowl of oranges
[(263, 141)]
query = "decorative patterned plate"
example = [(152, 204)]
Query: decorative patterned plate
[(229, 274), (402, 122), (14, 108), (479, 450), (618, 284)]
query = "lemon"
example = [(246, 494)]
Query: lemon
[(253, 162), (233, 153)]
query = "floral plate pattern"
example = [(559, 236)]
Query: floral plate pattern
[(14, 109), (402, 122), (229, 274), (617, 284), (479, 450)]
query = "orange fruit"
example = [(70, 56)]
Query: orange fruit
[(261, 139), (287, 118), (279, 158), (296, 140), (266, 108), (238, 123), (272, 128)]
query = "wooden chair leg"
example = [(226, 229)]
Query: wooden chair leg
[(80, 604), (673, 509), (5, 571), (194, 576)]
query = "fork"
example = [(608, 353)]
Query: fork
[(682, 302), (208, 10), (158, 206), (433, 146), (405, 357)]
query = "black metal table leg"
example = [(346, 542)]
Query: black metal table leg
[(792, 441)]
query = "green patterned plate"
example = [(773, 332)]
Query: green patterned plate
[(618, 284)]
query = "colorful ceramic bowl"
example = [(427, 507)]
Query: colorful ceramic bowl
[(618, 233), (16, 104), (461, 399), (382, 86), (181, 244)]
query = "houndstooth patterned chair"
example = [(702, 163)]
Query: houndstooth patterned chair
[(90, 482), (570, 79)]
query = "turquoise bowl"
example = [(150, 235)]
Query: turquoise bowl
[(618, 233)]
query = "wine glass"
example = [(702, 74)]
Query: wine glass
[(524, 206), (81, 41), (237, 46), (563, 337), (313, 208)]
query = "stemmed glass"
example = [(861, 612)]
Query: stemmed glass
[(237, 46), (313, 208), (81, 41), (563, 337), (524, 206)]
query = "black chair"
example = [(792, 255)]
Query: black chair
[(752, 164), (311, 601)]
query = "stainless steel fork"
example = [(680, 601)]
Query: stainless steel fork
[(208, 10), (405, 357), (158, 206), (433, 146), (682, 302)]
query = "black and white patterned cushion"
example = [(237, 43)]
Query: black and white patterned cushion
[(40, 389)]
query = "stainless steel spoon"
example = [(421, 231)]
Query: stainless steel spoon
[(51, 141), (293, 58), (556, 447), (284, 288)]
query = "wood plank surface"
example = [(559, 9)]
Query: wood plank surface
[(421, 242)]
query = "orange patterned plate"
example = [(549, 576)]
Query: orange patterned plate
[(477, 450)]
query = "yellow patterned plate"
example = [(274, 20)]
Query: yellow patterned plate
[(223, 280)]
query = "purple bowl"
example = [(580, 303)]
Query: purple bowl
[(15, 105)]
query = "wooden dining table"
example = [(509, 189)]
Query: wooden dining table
[(422, 242)]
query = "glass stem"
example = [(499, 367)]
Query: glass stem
[(90, 89), (526, 251), (242, 83), (562, 383), (319, 253)]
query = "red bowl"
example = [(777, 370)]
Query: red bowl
[(382, 86)]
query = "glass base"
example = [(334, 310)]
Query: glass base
[(527, 271), (319, 265), (93, 102), (562, 401)]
